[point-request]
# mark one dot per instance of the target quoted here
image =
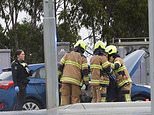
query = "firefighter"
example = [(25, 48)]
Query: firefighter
[(123, 79), (73, 70), (20, 72), (100, 68)]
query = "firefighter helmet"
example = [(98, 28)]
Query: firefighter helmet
[(100, 44), (81, 43), (111, 49)]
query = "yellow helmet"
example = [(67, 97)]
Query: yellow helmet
[(111, 49), (81, 43), (100, 44)]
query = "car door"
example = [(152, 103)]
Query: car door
[(37, 83)]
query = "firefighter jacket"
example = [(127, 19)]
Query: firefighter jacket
[(73, 68), (20, 72), (97, 65), (121, 73)]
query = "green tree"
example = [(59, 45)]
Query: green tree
[(67, 26), (35, 9), (108, 18), (130, 18), (65, 34), (3, 40), (30, 39), (28, 35), (86, 13), (9, 11), (94, 17)]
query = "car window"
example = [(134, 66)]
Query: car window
[(40, 73), (6, 76)]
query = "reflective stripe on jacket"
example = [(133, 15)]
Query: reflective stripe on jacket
[(74, 63), (97, 63), (121, 79)]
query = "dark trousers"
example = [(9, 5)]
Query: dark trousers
[(21, 95)]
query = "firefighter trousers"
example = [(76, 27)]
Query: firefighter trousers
[(70, 94), (98, 93), (125, 93)]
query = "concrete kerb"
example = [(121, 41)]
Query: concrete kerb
[(106, 105), (129, 108)]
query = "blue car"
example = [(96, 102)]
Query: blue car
[(36, 90), (138, 92)]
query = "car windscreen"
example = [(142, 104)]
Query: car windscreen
[(6, 76)]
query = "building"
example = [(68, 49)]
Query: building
[(5, 60)]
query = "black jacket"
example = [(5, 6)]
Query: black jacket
[(20, 72)]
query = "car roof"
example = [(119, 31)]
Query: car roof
[(32, 67), (36, 66)]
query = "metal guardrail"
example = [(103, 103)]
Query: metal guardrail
[(63, 43), (130, 41)]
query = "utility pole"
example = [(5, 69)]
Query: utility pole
[(50, 50), (151, 49)]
